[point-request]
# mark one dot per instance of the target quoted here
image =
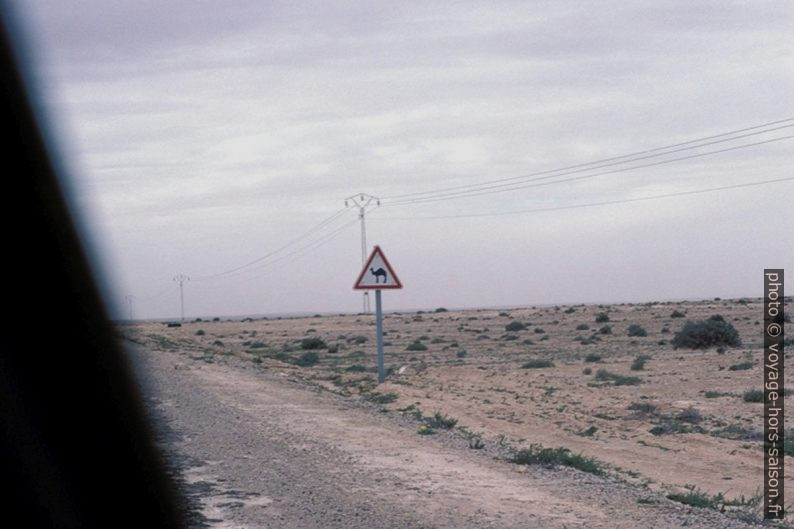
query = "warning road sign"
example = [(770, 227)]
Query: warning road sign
[(377, 273)]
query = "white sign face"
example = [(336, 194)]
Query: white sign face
[(377, 273)]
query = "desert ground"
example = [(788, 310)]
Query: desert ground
[(652, 435)]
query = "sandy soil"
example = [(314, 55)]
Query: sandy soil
[(706, 437)]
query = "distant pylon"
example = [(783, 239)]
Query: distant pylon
[(181, 280), (129, 304), (362, 201)]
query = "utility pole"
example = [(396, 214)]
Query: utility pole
[(181, 280), (361, 201), (129, 304)]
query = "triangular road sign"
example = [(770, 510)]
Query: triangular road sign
[(377, 273)]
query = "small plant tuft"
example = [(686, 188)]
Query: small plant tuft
[(313, 343), (515, 326), (637, 330), (639, 363), (537, 363), (536, 454), (618, 380), (307, 359)]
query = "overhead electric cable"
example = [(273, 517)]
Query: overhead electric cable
[(294, 253), (307, 233), (606, 162), (591, 204), (501, 188)]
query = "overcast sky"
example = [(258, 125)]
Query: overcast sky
[(199, 137)]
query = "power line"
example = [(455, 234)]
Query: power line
[(486, 189), (605, 161), (170, 289), (307, 233), (310, 246), (593, 204)]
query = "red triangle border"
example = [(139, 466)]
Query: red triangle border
[(376, 251)]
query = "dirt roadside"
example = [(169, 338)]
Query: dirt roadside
[(254, 449)]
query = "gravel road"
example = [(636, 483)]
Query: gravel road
[(252, 448)]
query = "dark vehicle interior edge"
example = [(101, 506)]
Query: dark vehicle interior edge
[(75, 444)]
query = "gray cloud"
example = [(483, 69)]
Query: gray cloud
[(202, 135)]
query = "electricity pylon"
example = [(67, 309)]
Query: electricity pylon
[(362, 201), (129, 304), (181, 280)]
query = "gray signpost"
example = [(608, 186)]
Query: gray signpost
[(378, 275)]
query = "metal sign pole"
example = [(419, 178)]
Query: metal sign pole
[(379, 331)]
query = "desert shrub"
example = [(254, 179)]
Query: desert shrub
[(639, 363), (668, 428), (382, 398), (714, 331), (200, 332), (592, 357), (536, 454), (714, 394), (441, 421), (538, 330), (537, 363), (738, 432), (416, 345), (602, 317), (307, 359), (461, 353), (582, 327), (569, 310), (281, 356), (618, 380), (606, 329), (441, 309), (697, 498), (741, 367), (425, 430), (218, 343), (256, 345), (753, 395), (677, 314), (509, 337), (587, 371), (355, 368), (690, 415), (637, 330), (515, 326), (643, 407), (358, 339), (588, 432), (475, 443), (312, 343)]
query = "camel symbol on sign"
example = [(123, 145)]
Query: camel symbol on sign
[(380, 272), (376, 268)]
